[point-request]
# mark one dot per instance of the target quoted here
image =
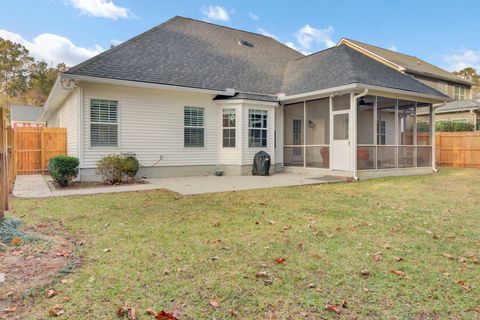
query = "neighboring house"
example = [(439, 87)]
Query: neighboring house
[(188, 96), (26, 116), (466, 111), (446, 82)]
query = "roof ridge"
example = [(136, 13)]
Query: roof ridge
[(378, 47), (117, 47), (349, 51)]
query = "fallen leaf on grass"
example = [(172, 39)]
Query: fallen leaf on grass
[(214, 303), (16, 253), (448, 256), (51, 293), (162, 315), (377, 256), (63, 254), (66, 281), (464, 285), (333, 308), (280, 260), (16, 241), (365, 272), (386, 246), (399, 273), (261, 274), (56, 312), (127, 311), (398, 258), (267, 282)]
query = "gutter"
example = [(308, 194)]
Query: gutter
[(138, 84)]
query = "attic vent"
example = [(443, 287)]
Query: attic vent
[(245, 43)]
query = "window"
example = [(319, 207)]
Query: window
[(381, 132), (103, 123), (340, 126), (194, 130), (257, 128), (459, 93), (229, 119)]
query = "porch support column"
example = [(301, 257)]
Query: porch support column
[(353, 133), (432, 139), (304, 134)]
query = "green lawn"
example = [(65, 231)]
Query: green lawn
[(179, 253)]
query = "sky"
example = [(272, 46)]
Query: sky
[(443, 32)]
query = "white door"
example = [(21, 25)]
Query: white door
[(341, 151)]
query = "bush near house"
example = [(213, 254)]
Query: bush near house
[(114, 168), (63, 169), (446, 126)]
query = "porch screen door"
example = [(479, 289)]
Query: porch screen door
[(341, 141)]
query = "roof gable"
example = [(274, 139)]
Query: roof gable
[(406, 62)]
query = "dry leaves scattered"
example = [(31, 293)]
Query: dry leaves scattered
[(127, 311)]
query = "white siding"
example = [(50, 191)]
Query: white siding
[(249, 153), (66, 116), (151, 126)]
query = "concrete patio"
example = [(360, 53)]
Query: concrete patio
[(36, 186)]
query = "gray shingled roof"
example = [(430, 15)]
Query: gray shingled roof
[(457, 106), (26, 113), (411, 63), (192, 53), (343, 65)]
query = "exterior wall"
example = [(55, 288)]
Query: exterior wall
[(151, 126), (442, 85), (66, 116)]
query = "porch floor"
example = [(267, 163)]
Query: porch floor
[(36, 186)]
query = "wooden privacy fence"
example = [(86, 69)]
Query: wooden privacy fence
[(35, 146), (458, 149), (7, 168)]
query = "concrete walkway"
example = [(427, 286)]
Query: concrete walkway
[(36, 186)]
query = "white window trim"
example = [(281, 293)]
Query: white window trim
[(89, 108), (254, 128), (195, 127), (459, 96), (234, 110)]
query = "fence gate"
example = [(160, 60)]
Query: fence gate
[(34, 146)]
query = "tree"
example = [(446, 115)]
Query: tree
[(471, 74), (40, 82), (14, 64)]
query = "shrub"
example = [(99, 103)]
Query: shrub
[(114, 168), (130, 165), (111, 168), (63, 169), (452, 126)]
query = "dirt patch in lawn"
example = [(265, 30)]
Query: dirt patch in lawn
[(30, 267), (91, 184)]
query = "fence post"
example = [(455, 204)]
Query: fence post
[(42, 147), (2, 164)]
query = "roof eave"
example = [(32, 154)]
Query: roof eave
[(57, 95), (140, 84), (436, 76)]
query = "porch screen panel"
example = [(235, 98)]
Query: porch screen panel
[(341, 102), (406, 129), (424, 125), (386, 121), (366, 149), (294, 124), (317, 150)]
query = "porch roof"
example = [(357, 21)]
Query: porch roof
[(341, 66)]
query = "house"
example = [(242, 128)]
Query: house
[(26, 116), (189, 96), (464, 111)]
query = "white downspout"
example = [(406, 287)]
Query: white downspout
[(354, 129)]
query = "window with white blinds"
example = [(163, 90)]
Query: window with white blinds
[(194, 127), (103, 123)]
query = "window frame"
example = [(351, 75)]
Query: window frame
[(381, 134), (90, 122), (263, 129), (232, 111), (462, 92), (194, 127)]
